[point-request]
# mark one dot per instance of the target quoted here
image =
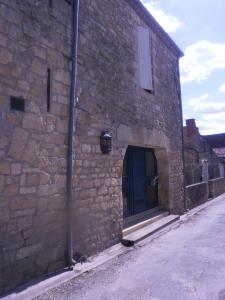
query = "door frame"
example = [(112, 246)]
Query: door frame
[(130, 179)]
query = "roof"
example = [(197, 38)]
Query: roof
[(148, 18), (216, 140)]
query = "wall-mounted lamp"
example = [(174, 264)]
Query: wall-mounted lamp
[(106, 142)]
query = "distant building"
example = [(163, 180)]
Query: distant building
[(204, 169), (217, 142), (196, 149)]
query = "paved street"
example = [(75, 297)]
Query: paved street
[(185, 263)]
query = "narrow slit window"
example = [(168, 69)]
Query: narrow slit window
[(145, 58), (50, 3), (48, 89)]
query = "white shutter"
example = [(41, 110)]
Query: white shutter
[(145, 63)]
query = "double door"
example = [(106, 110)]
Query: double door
[(140, 181)]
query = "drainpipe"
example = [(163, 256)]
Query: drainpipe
[(182, 136), (71, 132)]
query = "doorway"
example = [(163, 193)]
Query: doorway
[(140, 181)]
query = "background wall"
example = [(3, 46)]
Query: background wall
[(204, 170)]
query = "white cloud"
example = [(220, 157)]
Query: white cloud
[(214, 117), (212, 123), (222, 88), (167, 21), (207, 126), (196, 102), (210, 108), (201, 59), (210, 115), (204, 104)]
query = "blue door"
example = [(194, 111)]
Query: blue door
[(138, 180), (140, 187)]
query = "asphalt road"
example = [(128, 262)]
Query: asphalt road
[(185, 263)]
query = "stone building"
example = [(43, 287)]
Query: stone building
[(204, 169), (197, 149), (217, 142), (128, 84)]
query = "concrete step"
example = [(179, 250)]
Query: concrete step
[(145, 215), (156, 217), (147, 230)]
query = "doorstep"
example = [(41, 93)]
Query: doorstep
[(144, 229), (153, 217), (143, 216)]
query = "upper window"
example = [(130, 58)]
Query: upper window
[(145, 61)]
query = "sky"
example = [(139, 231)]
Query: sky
[(198, 28)]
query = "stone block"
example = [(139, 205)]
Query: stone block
[(24, 223), (21, 202), (23, 179), (62, 76), (48, 189), (11, 190), (45, 178), (2, 183), (28, 251), (115, 182), (62, 126), (32, 180), (60, 181), (38, 67), (4, 168), (18, 144), (61, 88), (103, 190), (39, 52), (88, 193), (28, 190), (4, 215), (24, 85), (23, 212), (56, 202), (3, 40), (16, 168), (32, 152), (86, 148), (5, 56), (59, 109), (47, 219), (33, 121), (86, 183)]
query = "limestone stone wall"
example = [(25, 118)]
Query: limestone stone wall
[(33, 144), (110, 97), (196, 194), (216, 187), (36, 36), (199, 193)]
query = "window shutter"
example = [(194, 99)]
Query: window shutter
[(145, 63)]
